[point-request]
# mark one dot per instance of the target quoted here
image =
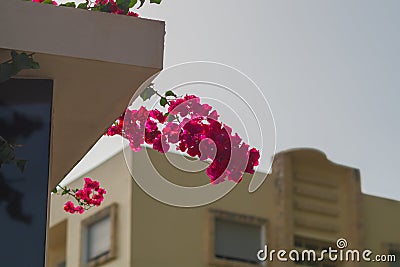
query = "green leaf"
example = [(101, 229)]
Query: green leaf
[(132, 3), (54, 190), (82, 6), (96, 8), (21, 164), (69, 4), (104, 8), (7, 155), (35, 65), (18, 62), (124, 5), (170, 93), (22, 61), (47, 2), (148, 92), (155, 1), (171, 118), (163, 101)]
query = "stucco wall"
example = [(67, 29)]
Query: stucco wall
[(382, 222), (152, 234), (114, 176)]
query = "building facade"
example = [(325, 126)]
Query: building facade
[(307, 203)]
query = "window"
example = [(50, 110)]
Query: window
[(237, 238), (98, 237)]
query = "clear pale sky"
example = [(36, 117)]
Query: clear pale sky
[(329, 69)]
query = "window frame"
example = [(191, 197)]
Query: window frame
[(110, 211), (238, 218)]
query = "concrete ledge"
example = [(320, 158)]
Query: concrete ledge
[(80, 33), (97, 61)]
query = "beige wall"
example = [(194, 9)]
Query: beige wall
[(56, 252), (382, 224), (151, 233), (322, 200), (113, 176), (168, 236)]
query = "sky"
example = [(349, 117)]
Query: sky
[(328, 69)]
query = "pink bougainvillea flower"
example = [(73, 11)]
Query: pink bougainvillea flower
[(207, 149), (134, 130), (84, 195), (171, 132), (151, 136), (90, 195), (160, 144), (101, 2), (102, 191), (90, 184), (41, 1), (97, 199), (111, 7), (132, 14), (199, 110), (213, 115), (197, 132), (253, 160), (157, 115), (69, 207), (79, 209), (178, 107), (151, 125)]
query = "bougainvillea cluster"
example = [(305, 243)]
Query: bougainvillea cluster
[(91, 195), (47, 2), (193, 128), (121, 7), (111, 6)]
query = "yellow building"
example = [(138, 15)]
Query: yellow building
[(306, 203)]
